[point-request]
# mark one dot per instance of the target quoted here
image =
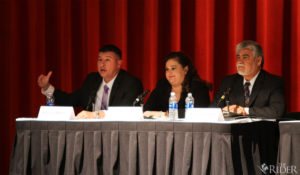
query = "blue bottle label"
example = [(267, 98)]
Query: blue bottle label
[(189, 105), (173, 106), (50, 104)]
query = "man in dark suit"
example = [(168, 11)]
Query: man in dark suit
[(110, 86), (252, 91)]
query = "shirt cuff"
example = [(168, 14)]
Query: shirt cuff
[(247, 110), (50, 90)]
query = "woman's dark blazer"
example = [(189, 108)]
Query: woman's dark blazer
[(159, 98)]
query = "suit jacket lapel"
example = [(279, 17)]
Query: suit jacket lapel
[(115, 88), (240, 91), (97, 84), (256, 87), (94, 88)]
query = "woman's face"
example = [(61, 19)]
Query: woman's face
[(175, 73)]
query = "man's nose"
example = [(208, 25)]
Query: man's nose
[(102, 63), (240, 61)]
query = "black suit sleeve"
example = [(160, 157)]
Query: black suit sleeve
[(80, 97), (272, 103), (68, 99)]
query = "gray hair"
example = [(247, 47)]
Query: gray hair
[(254, 46)]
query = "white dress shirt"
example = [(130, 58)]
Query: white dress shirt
[(99, 94)]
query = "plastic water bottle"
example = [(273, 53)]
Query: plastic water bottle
[(189, 102), (173, 107), (49, 99)]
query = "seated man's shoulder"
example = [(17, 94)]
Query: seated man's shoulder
[(272, 78), (92, 76), (126, 76), (231, 78)]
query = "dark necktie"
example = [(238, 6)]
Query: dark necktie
[(247, 93), (104, 98)]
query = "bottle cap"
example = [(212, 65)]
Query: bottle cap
[(189, 94), (172, 93)]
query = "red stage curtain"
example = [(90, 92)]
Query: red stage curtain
[(64, 36)]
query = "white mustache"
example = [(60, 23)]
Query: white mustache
[(240, 65)]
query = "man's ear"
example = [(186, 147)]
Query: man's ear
[(119, 63), (259, 60)]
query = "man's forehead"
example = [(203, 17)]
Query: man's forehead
[(105, 56), (108, 54), (245, 51)]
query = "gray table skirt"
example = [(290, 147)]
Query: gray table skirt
[(289, 147), (143, 148)]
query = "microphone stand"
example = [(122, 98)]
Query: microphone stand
[(227, 112), (224, 96), (140, 99)]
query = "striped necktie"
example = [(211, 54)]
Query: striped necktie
[(247, 93)]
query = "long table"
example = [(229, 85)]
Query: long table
[(152, 147)]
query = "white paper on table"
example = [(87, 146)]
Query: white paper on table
[(204, 115), (56, 113), (124, 113)]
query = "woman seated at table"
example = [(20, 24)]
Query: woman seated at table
[(181, 78)]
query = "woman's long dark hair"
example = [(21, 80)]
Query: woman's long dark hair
[(184, 61)]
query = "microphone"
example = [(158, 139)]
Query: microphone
[(141, 97), (89, 106), (226, 93)]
